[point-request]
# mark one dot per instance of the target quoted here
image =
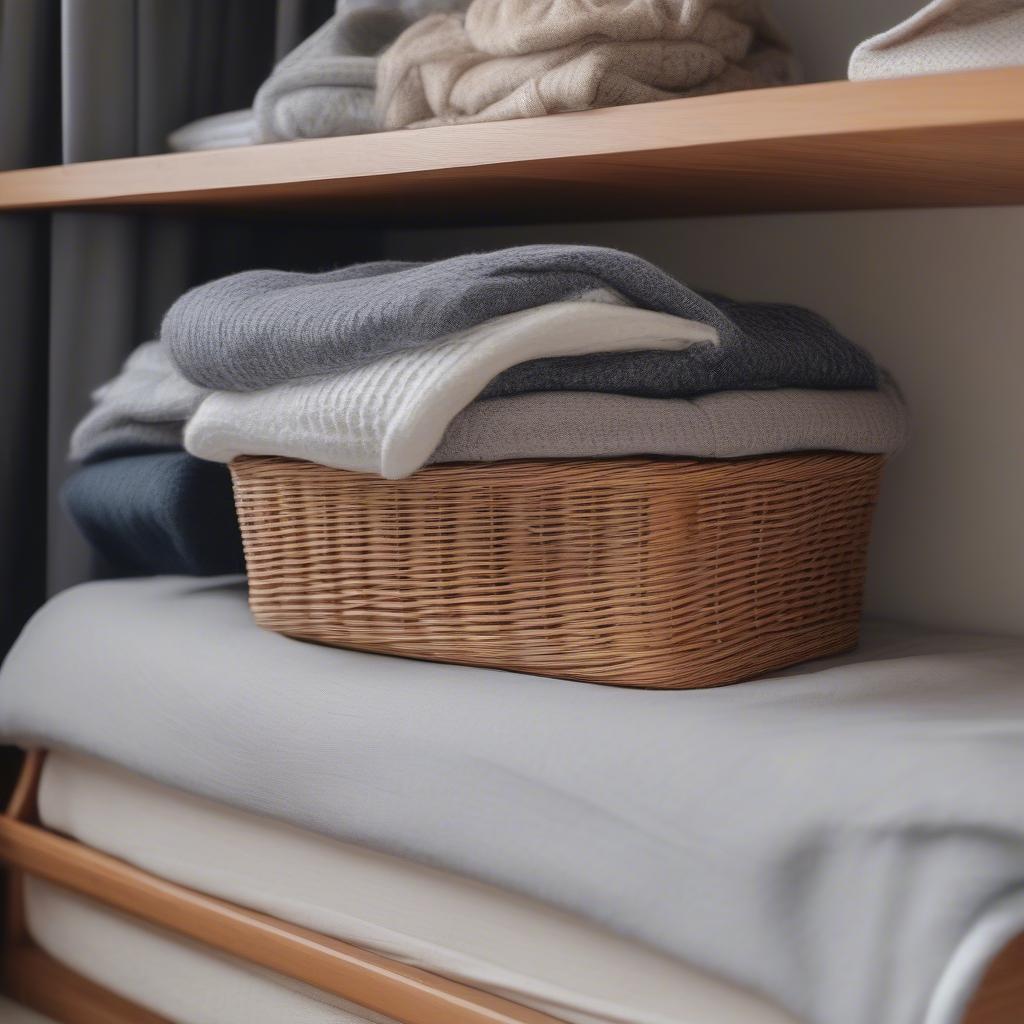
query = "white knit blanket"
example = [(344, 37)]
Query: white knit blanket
[(388, 417), (945, 35)]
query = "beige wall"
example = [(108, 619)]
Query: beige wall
[(936, 296)]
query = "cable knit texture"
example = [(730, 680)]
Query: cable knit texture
[(265, 327), (945, 35), (506, 59), (388, 417), (724, 425), (527, 26)]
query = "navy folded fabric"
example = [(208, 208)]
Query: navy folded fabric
[(264, 327), (157, 513)]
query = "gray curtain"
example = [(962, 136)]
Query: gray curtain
[(92, 80)]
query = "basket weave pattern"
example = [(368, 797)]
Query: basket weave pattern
[(639, 571)]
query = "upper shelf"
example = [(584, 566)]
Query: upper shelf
[(944, 140)]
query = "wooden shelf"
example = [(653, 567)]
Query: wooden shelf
[(932, 141)]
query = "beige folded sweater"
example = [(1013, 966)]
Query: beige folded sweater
[(523, 58), (528, 26)]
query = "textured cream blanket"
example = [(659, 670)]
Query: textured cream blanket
[(505, 59), (945, 35)]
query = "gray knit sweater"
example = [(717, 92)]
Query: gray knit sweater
[(264, 327)]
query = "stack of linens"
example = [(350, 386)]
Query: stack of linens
[(840, 839), (507, 59), (380, 64), (531, 352)]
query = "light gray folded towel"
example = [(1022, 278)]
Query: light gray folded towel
[(724, 425), (144, 408), (265, 327), (524, 58), (325, 86), (316, 93), (945, 35)]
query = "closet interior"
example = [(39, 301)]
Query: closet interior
[(892, 206)]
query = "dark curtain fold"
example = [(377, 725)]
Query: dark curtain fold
[(93, 80), (29, 135)]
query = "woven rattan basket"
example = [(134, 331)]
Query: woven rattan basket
[(638, 572)]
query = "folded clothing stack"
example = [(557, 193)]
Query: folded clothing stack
[(837, 838), (506, 59), (441, 61), (324, 87), (546, 351)]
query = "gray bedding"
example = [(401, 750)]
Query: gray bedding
[(827, 836)]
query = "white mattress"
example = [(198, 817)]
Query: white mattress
[(489, 938), (173, 977)]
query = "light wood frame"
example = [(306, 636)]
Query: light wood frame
[(407, 994)]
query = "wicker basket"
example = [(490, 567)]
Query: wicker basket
[(638, 571)]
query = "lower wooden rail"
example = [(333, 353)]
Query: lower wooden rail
[(404, 993)]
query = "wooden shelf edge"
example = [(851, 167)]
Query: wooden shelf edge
[(816, 126)]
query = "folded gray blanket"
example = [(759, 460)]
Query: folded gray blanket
[(264, 327), (326, 85), (144, 408), (724, 425), (828, 836)]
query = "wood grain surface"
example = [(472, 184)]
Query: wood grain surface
[(955, 139)]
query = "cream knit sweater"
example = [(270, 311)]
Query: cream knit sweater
[(523, 58)]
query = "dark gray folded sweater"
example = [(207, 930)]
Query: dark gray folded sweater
[(151, 512), (264, 327), (774, 346)]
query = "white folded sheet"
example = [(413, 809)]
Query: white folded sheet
[(479, 934), (171, 976)]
